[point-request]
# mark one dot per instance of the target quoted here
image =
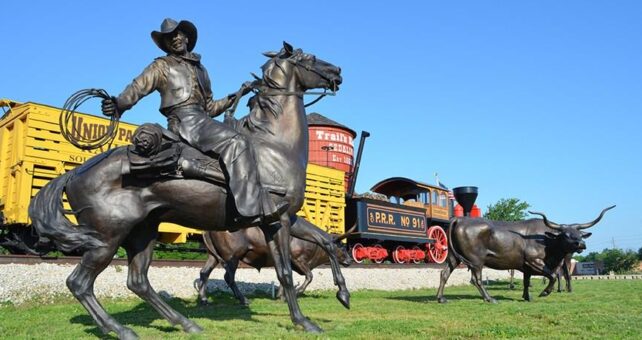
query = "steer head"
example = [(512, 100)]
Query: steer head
[(570, 235), (342, 250)]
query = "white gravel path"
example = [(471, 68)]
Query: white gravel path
[(20, 283)]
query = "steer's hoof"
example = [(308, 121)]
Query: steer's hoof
[(344, 298)]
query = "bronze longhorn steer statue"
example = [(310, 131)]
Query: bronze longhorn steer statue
[(535, 247), (249, 246)]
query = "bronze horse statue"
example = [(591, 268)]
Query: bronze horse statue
[(113, 209)]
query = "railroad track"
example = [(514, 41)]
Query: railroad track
[(31, 259)]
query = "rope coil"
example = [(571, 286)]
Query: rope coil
[(72, 133)]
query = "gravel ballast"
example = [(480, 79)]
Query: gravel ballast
[(20, 283)]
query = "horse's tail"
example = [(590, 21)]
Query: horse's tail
[(48, 218)]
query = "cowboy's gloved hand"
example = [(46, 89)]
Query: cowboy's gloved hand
[(109, 107)]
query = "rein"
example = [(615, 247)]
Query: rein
[(256, 87), (277, 92)]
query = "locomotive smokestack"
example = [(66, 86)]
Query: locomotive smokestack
[(466, 197), (355, 172)]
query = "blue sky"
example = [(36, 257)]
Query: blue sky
[(536, 100)]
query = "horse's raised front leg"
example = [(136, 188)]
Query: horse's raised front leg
[(139, 246), (305, 230), (81, 284), (278, 238)]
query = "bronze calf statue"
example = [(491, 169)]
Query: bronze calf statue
[(535, 247), (248, 246)]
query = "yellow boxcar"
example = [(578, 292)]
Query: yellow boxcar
[(33, 151)]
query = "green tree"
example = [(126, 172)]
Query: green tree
[(590, 257), (619, 261), (507, 209), (640, 254)]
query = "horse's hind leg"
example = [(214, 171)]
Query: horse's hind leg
[(81, 284), (139, 246)]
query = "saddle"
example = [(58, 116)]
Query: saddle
[(157, 152)]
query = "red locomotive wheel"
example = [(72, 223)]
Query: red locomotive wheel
[(355, 249), (382, 259), (438, 251), (416, 261), (395, 254)]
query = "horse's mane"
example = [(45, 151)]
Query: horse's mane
[(261, 107)]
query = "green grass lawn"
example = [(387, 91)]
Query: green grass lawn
[(605, 309)]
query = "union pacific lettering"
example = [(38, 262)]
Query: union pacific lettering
[(93, 130)]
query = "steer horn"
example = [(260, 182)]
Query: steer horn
[(590, 224), (346, 234), (551, 225)]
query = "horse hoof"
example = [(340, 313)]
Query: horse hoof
[(526, 298), (492, 300), (245, 302), (203, 302), (344, 298), (310, 327), (192, 327), (127, 334), (544, 293), (442, 299)]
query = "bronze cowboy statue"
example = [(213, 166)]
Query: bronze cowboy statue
[(187, 102), (258, 174)]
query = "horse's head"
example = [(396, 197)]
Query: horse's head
[(292, 69)]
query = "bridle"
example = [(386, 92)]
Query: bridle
[(266, 91), (260, 89)]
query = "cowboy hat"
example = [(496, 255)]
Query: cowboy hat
[(168, 26)]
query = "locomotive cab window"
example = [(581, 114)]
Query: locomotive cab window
[(424, 197), (443, 199)]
